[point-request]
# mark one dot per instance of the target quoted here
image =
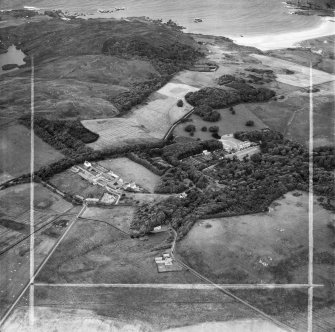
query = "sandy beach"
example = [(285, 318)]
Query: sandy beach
[(267, 42)]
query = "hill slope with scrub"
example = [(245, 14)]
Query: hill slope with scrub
[(92, 68)]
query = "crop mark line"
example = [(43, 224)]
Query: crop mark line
[(32, 198), (181, 286), (31, 281), (310, 206)]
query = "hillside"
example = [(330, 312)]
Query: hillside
[(80, 72)]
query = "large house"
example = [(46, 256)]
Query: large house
[(230, 144)]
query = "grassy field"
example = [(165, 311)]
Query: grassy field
[(265, 248), (118, 216), (121, 310), (95, 252), (73, 184), (291, 115), (15, 211), (228, 123), (131, 171), (15, 152), (310, 52), (301, 74), (269, 247), (15, 263)]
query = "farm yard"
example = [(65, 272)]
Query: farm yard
[(131, 171), (15, 152)]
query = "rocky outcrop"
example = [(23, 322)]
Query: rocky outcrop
[(313, 4)]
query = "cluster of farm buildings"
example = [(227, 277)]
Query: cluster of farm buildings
[(114, 185)]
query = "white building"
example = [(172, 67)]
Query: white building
[(206, 153), (87, 164), (182, 195)]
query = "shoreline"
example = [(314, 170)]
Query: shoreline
[(264, 42), (287, 39)]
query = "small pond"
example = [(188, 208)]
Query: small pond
[(13, 56)]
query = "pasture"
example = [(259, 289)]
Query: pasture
[(15, 152), (263, 248), (96, 252), (15, 211), (126, 309), (290, 116), (228, 123), (301, 74), (118, 216)]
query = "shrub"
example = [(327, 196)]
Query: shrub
[(180, 103), (250, 123), (204, 128), (190, 128), (216, 136), (214, 129)]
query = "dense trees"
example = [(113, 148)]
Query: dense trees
[(68, 136), (207, 113), (247, 186), (220, 98)]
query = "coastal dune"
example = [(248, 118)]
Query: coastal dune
[(267, 42)]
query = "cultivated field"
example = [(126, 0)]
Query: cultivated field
[(228, 123), (146, 122), (15, 152), (117, 131), (128, 170)]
